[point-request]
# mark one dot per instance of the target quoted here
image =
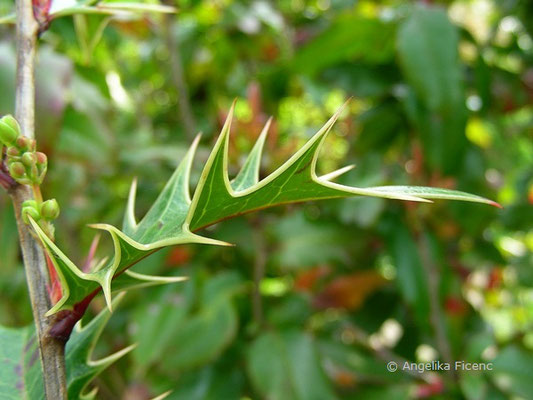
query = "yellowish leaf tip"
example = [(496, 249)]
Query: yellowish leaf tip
[(162, 395), (106, 289)]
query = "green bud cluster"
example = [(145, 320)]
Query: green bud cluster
[(28, 168), (26, 165), (47, 210)]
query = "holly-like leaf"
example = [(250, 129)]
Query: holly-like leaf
[(160, 227), (174, 217), (216, 198), (20, 368)]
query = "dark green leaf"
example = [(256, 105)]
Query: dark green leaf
[(286, 366)]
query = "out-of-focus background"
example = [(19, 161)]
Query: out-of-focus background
[(315, 299)]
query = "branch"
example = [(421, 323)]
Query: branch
[(436, 317), (52, 351)]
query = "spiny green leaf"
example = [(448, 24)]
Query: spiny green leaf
[(295, 181), (20, 371), (160, 227), (174, 216)]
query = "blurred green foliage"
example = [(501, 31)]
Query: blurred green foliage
[(315, 299)]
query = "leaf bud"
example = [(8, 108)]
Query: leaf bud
[(9, 130), (30, 203), (50, 209), (32, 212), (31, 208), (12, 122)]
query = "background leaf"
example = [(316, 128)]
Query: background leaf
[(286, 366), (427, 48)]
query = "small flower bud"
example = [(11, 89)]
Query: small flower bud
[(17, 170), (41, 158), (13, 152), (50, 209), (8, 133), (29, 159), (32, 212), (23, 143)]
